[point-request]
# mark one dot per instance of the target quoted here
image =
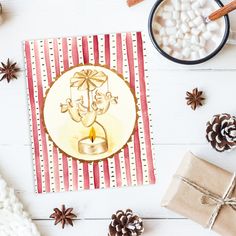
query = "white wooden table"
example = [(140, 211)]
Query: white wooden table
[(177, 128)]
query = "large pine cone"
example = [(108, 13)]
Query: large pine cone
[(221, 132), (125, 224)]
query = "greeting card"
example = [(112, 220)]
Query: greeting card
[(89, 112)]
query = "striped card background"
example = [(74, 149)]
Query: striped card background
[(47, 59)]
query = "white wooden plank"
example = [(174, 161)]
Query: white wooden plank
[(16, 168), (100, 228), (174, 122), (176, 127)]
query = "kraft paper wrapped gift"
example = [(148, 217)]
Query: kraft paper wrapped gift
[(205, 194)]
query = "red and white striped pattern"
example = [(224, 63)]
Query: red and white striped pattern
[(47, 59)]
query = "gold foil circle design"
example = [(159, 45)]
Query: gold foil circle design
[(85, 100)]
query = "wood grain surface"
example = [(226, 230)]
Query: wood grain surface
[(177, 128)]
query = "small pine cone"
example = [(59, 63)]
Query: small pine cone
[(125, 224), (221, 132)]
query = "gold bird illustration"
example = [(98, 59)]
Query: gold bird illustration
[(82, 109), (73, 111), (102, 102)]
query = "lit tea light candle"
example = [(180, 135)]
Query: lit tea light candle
[(93, 145)]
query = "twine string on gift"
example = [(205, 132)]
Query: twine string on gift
[(218, 201)]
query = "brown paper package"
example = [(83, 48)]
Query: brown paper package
[(187, 201)]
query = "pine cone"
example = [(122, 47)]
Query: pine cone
[(125, 224), (221, 132)]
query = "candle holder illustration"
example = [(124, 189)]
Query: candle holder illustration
[(89, 98)]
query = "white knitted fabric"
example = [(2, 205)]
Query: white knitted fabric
[(14, 221)]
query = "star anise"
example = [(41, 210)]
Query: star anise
[(9, 71), (194, 98), (65, 216)]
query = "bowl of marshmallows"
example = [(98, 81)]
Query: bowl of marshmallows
[(180, 32)]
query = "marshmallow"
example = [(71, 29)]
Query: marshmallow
[(180, 34), (202, 27), (194, 55), (177, 5), (173, 36), (195, 5), (177, 55), (195, 40), (162, 31), (185, 28), (160, 12), (190, 24), (156, 26), (166, 49), (171, 30), (165, 41), (178, 23), (179, 43), (187, 36), (202, 2), (186, 52), (170, 23), (168, 8), (212, 26), (166, 15), (158, 39), (202, 53), (191, 14), (195, 31), (172, 40), (198, 12), (198, 20), (215, 38), (176, 15), (184, 17), (186, 43), (206, 35), (185, 6), (195, 48), (206, 12), (202, 41)]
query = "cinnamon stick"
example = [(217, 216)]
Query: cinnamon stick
[(133, 2)]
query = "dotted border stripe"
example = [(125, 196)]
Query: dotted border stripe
[(111, 162), (149, 101)]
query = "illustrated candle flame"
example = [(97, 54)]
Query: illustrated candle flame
[(92, 134)]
